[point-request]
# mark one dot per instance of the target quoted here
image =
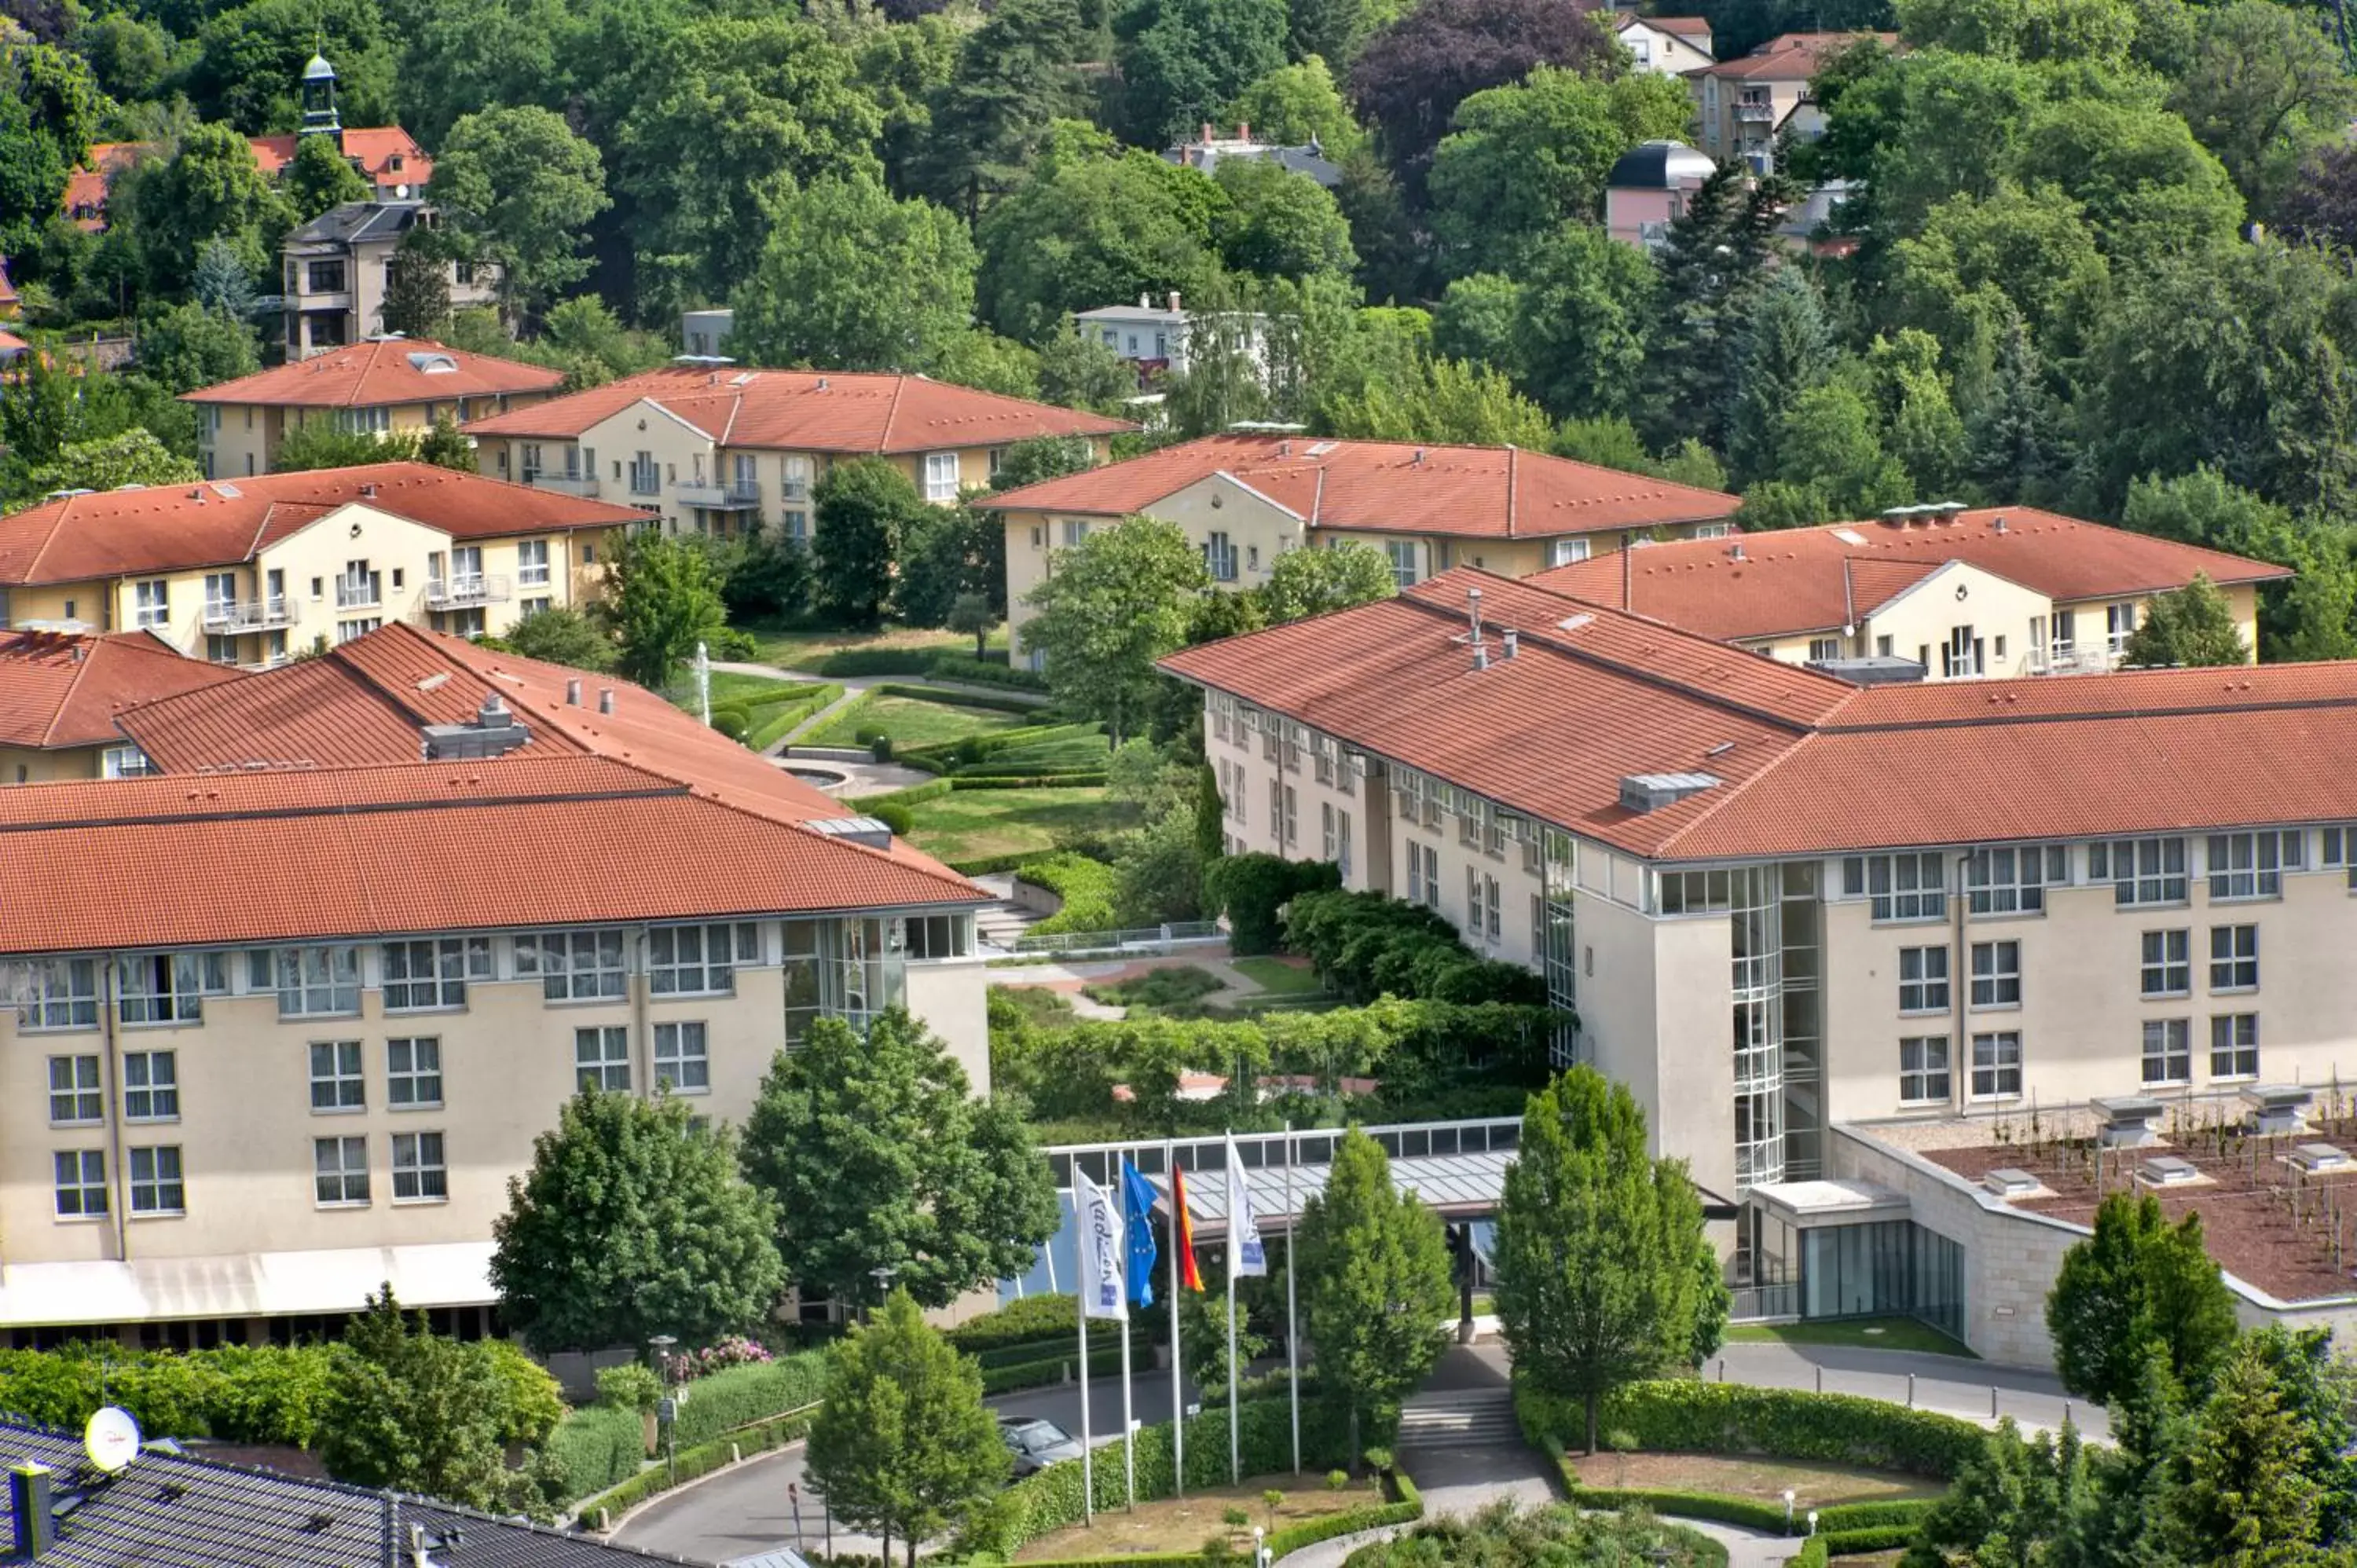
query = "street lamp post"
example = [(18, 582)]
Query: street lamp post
[(667, 1408), (1789, 1496)]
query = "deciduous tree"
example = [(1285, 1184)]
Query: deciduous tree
[(519, 189), (1297, 106), (1279, 223), (2193, 626), (1181, 60), (1312, 581), (864, 508), (205, 187), (1116, 602), (318, 180), (875, 1154), (561, 635), (630, 1223), (663, 597), (109, 462), (2266, 89), (417, 288), (1597, 1246), (2137, 1282), (948, 554), (851, 279), (1584, 322), (184, 347)]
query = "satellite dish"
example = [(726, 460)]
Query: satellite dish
[(111, 1439)]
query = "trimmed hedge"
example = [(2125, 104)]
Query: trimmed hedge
[(1750, 1513), (957, 699), (1405, 1508), (914, 795), (239, 1394), (1027, 782), (1690, 1416), (1023, 1321), (1852, 1543), (1049, 1370), (1901, 1514), (1085, 885), (743, 1395), (596, 1448), (984, 864), (771, 725), (957, 667), (694, 1465), (1810, 1555)]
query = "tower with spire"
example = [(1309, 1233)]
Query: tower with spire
[(320, 116)]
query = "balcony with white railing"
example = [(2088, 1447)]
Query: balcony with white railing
[(1755, 111), (231, 617), (464, 589), (2097, 659), (563, 482), (720, 493)]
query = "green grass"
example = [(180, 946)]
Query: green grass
[(1280, 978), (910, 722), (1157, 988), (972, 823), (1868, 1333), (816, 650)]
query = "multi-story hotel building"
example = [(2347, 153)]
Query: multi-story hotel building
[(1246, 498), (1962, 594), (288, 1016), (59, 693), (253, 572), (713, 448), (1775, 901)]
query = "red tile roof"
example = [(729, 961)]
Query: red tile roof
[(1386, 487), (382, 372), (1807, 766), (169, 528), (1821, 579), (832, 411), (1794, 56), (376, 148), (57, 690)]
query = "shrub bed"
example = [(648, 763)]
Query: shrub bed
[(1406, 1507), (597, 1447), (992, 673), (1690, 1416), (771, 725), (1027, 782), (238, 1393), (1253, 888), (1022, 1321), (1365, 945), (914, 795), (1085, 885)]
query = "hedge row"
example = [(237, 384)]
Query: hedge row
[(1405, 1508), (1853, 1542), (957, 667), (597, 1447), (1049, 1370), (695, 1463), (742, 1395), (1694, 1417), (771, 726), (1027, 782), (1085, 885), (1023, 1321), (914, 795), (985, 864), (239, 1394), (1894, 1518), (957, 699)]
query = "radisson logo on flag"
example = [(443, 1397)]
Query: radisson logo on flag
[(1099, 1236)]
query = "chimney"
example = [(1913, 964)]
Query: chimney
[(1419, 457), (1480, 657), (1174, 300), (493, 713), (1244, 132), (605, 699), (1473, 609), (34, 1509), (1207, 129), (572, 694), (1145, 302), (1514, 640)]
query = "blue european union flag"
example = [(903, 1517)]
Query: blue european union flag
[(1137, 1208)]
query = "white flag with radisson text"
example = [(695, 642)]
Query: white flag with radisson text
[(1098, 1218), (1244, 1253)]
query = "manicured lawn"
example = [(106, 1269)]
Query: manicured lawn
[(1763, 1480), (803, 648), (969, 824), (1185, 1524), (1868, 1333), (910, 722), (1281, 977)]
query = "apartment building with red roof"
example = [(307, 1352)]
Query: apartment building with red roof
[(1245, 497), (1962, 593), (721, 449), (298, 1003), (379, 386), (251, 572), (1781, 906), (1745, 103), (60, 694)]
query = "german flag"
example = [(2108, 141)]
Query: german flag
[(1189, 1275)]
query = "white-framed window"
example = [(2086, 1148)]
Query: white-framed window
[(794, 478), (2233, 957), (1924, 1069), (169, 987), (155, 1180), (338, 1078), (151, 604), (419, 1173), (126, 762), (2251, 865), (2119, 624), (2167, 968), (339, 1172), (2013, 879), (76, 1098), (420, 976), (1292, 816), (1322, 752), (1563, 552), (1276, 810), (1823, 648), (61, 993), (2341, 849), (699, 960), (1076, 529), (80, 1177), (2167, 1052), (353, 630), (311, 982), (938, 936), (1341, 856), (681, 1058), (1997, 1065), (602, 1057), (1909, 886), (1997, 974), (576, 966), (2141, 871), (941, 476), (1220, 557), (1923, 980), (2234, 1044), (1472, 903), (412, 1072), (1960, 657), (533, 607), (365, 421), (151, 1085), (532, 563), (1326, 830), (1406, 558), (1492, 923)]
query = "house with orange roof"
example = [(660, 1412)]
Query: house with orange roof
[(719, 449), (377, 386), (61, 692), (1245, 497), (1746, 103), (291, 1013), (253, 572), (1821, 928), (1666, 45), (1959, 593)]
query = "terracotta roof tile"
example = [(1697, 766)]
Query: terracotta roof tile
[(1480, 492), (1793, 57), (382, 372), (834, 410), (218, 522), (376, 148), (57, 690), (1820, 579)]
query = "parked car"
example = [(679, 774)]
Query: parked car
[(1035, 1443)]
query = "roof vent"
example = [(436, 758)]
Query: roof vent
[(572, 694), (2127, 1122), (821, 385), (1735, 552), (427, 363), (2010, 1183), (1514, 640), (2167, 1170), (1642, 792), (2318, 1158), (605, 699), (367, 490), (1419, 457), (1996, 523), (2277, 1109), (873, 832), (493, 713)]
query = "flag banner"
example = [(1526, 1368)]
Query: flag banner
[(1137, 1212), (1244, 1253), (1188, 1274), (1100, 1247)]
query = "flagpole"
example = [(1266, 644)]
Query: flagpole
[(1178, 1384), (1128, 1426), (1292, 1329), (1235, 1239), (1088, 1448)]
